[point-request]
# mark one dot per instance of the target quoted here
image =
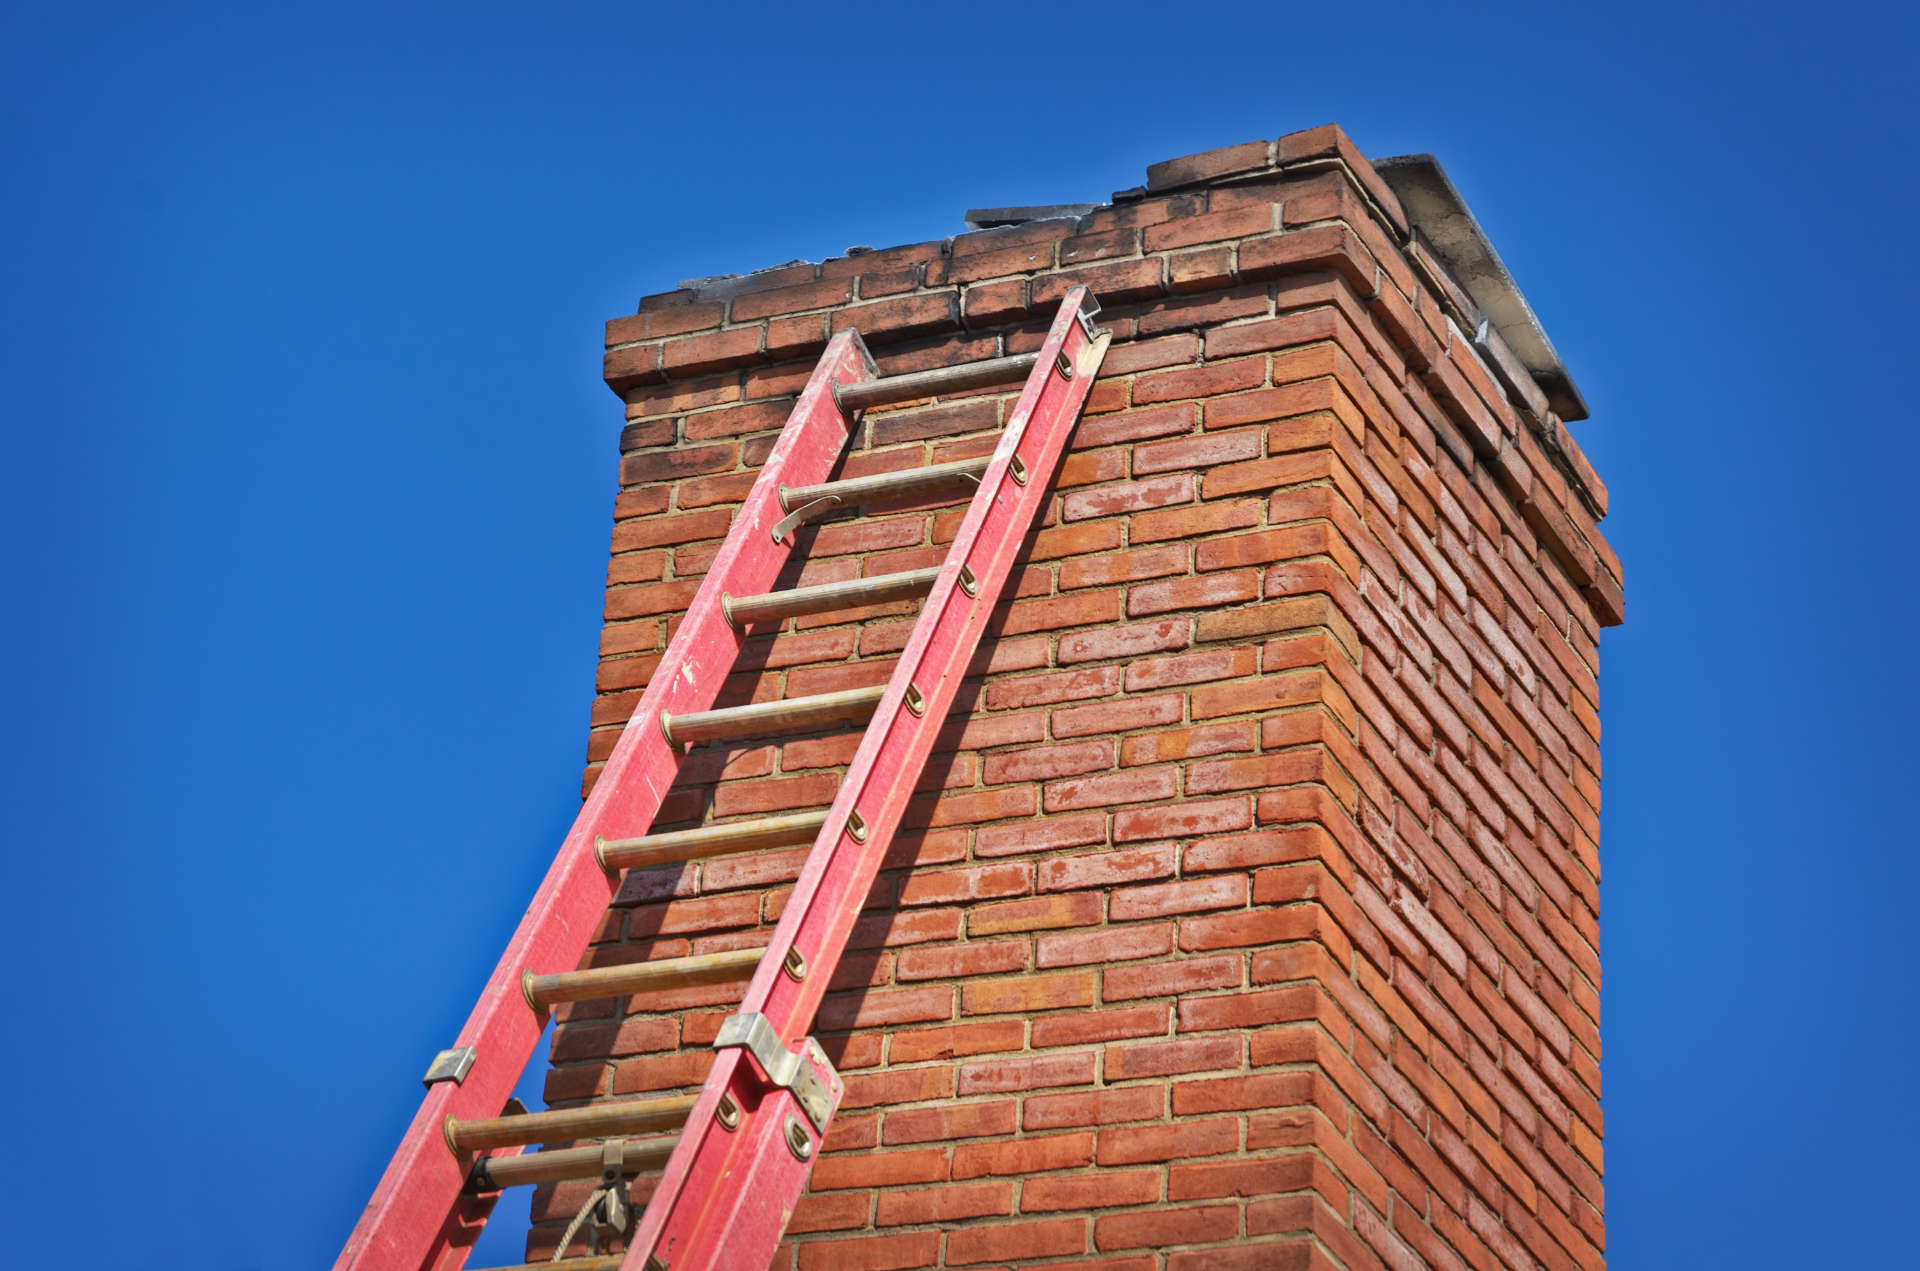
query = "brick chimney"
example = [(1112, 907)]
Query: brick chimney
[(1249, 915)]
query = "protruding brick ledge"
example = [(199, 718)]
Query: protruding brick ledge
[(1200, 243)]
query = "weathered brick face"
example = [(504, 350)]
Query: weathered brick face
[(1247, 916)]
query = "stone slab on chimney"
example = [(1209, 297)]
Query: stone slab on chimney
[(1248, 915)]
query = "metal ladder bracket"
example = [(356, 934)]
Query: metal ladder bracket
[(450, 1065), (797, 1072), (1086, 314), (802, 514)]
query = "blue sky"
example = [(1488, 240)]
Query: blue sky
[(309, 468)]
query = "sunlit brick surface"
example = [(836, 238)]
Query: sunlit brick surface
[(1248, 914)]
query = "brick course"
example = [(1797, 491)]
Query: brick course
[(1249, 912)]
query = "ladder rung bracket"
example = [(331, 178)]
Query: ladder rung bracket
[(723, 1196), (806, 1073), (829, 597), (421, 1210)]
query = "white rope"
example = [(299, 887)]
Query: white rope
[(573, 1228)]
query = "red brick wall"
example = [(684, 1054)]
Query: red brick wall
[(1249, 915)]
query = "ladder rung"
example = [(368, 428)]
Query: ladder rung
[(595, 1120), (826, 597), (943, 379), (639, 977), (885, 485), (492, 1172), (609, 1263), (709, 840), (759, 718)]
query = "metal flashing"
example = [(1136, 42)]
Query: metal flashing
[(996, 217), (1438, 213)]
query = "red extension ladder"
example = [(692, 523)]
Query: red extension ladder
[(744, 1145)]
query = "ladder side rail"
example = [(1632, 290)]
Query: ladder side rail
[(832, 889), (420, 1215), (725, 1195)]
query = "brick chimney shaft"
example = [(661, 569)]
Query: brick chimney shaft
[(1249, 914)]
